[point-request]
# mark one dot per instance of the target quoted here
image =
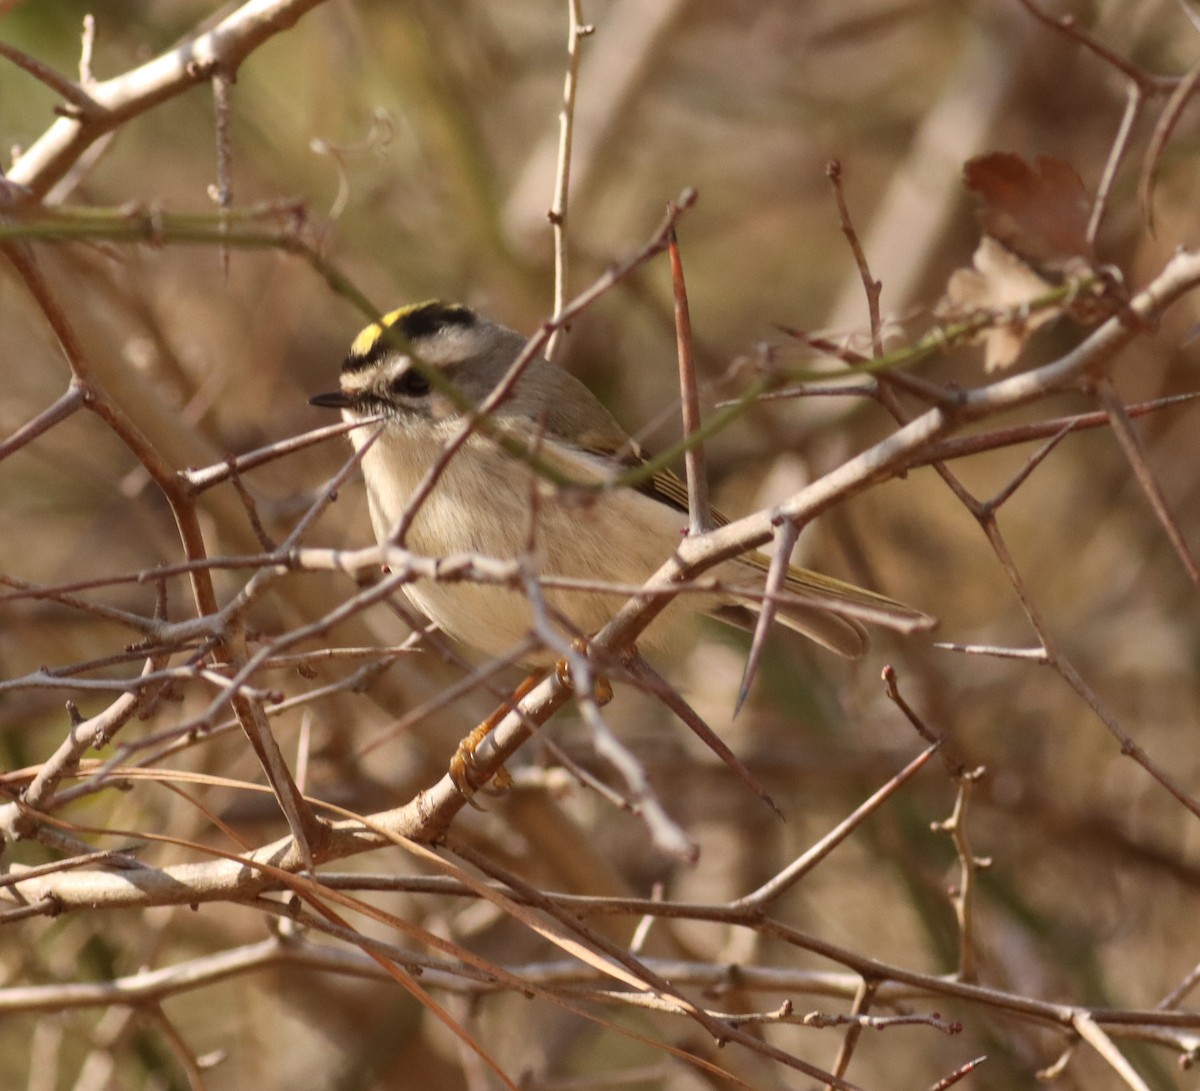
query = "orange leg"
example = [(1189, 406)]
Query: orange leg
[(602, 691), (462, 764)]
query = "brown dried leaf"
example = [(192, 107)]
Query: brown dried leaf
[(1038, 212)]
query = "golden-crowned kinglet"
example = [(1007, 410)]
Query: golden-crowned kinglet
[(485, 501)]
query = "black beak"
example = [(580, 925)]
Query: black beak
[(334, 400)]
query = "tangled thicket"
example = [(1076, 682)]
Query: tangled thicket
[(983, 392)]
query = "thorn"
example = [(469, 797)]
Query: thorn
[(639, 667), (786, 535)]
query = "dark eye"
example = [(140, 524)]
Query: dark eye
[(412, 384)]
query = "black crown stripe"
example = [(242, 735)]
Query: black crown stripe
[(413, 323), (426, 319)]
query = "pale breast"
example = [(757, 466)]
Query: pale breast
[(489, 506)]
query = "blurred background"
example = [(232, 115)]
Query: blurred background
[(420, 140)]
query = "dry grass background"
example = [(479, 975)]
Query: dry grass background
[(436, 125)]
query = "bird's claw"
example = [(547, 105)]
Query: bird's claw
[(601, 691)]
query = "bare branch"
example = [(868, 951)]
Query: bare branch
[(113, 102)]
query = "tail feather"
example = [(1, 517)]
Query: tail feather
[(843, 635), (822, 608)]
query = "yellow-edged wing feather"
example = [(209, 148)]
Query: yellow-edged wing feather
[(821, 595)]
